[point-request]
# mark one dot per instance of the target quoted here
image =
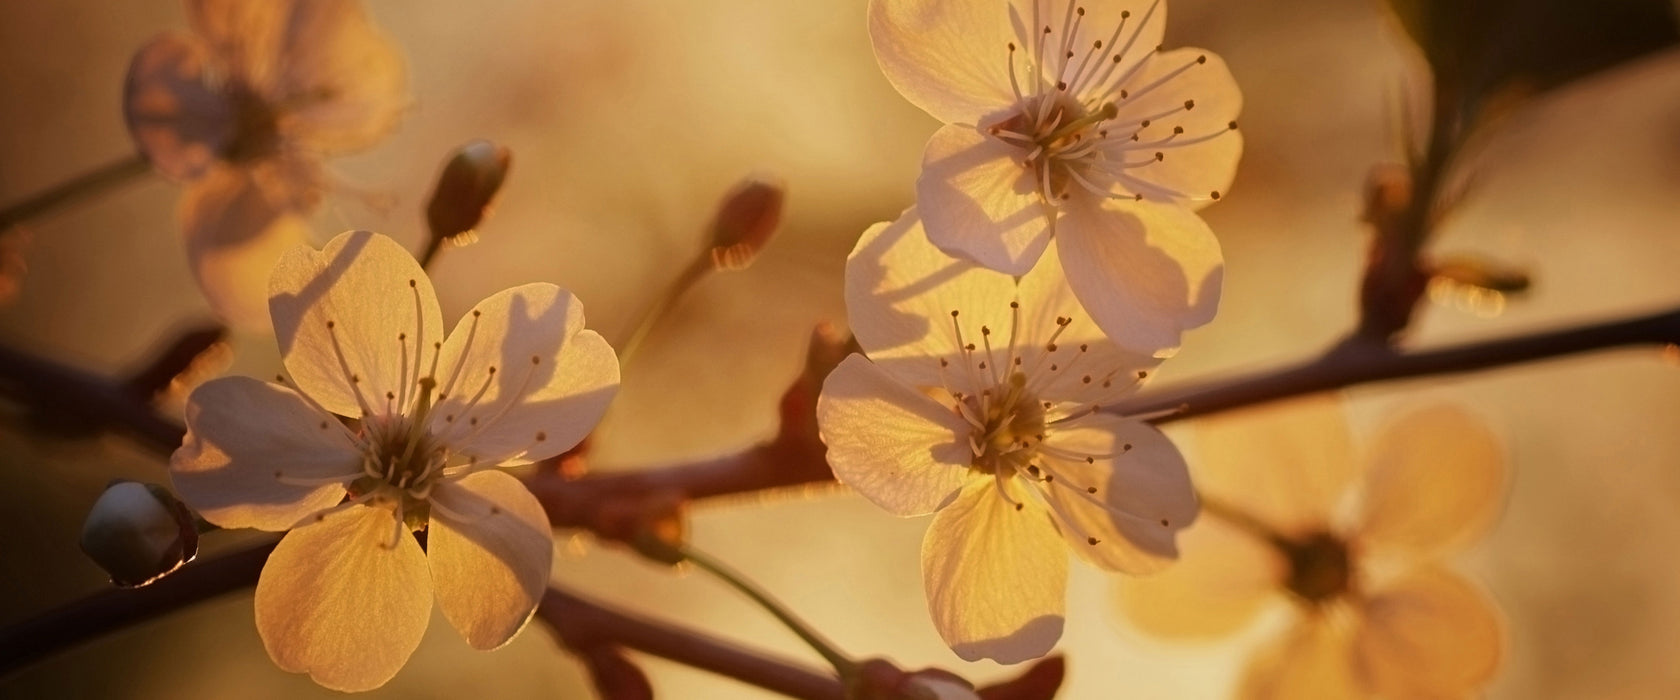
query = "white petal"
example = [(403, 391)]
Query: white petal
[(343, 600), (1145, 272), (245, 35), (1221, 581), (900, 292), (344, 78), (1113, 371), (1143, 494), (243, 438), (234, 236), (1313, 661), (1203, 159), (978, 202), (995, 576), (1431, 634), (360, 309), (949, 58), (176, 119), (490, 549), (899, 448), (520, 378), (1435, 481), (1289, 464)]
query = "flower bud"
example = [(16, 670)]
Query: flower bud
[(745, 223), (465, 189), (139, 533)]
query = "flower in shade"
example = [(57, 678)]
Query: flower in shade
[(1354, 546), (1066, 120), (388, 427), (244, 109), (980, 402)]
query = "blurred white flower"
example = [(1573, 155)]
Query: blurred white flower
[(1067, 121), (244, 110), (1356, 545), (978, 401), (347, 593)]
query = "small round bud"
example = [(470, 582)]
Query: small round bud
[(745, 223), (139, 533), (465, 190)]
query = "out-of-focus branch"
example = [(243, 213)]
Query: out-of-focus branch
[(69, 398), (79, 188)]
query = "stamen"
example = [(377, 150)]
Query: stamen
[(344, 366), (508, 402), (419, 342), (466, 349), (402, 340), (1003, 489), (1174, 73), (1119, 57)]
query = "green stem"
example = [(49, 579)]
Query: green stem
[(842, 665), (77, 189), (697, 270)]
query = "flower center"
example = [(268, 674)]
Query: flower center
[(404, 461), (1010, 423), (256, 126), (1320, 566)]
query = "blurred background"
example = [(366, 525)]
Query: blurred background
[(629, 119)]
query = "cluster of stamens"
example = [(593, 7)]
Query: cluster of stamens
[(1070, 123), (1000, 394)]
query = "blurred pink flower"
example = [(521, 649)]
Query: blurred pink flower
[(244, 110), (1356, 545), (978, 403), (1068, 121), (348, 592)]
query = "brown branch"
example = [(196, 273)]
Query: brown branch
[(117, 608), (582, 626), (1360, 361)]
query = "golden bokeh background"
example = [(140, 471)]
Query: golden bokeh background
[(628, 119)]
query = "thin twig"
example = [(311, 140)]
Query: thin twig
[(83, 186), (114, 609), (1364, 362)]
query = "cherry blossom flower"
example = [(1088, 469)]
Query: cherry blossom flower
[(347, 593), (1356, 547), (978, 403), (244, 110), (1067, 121)]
